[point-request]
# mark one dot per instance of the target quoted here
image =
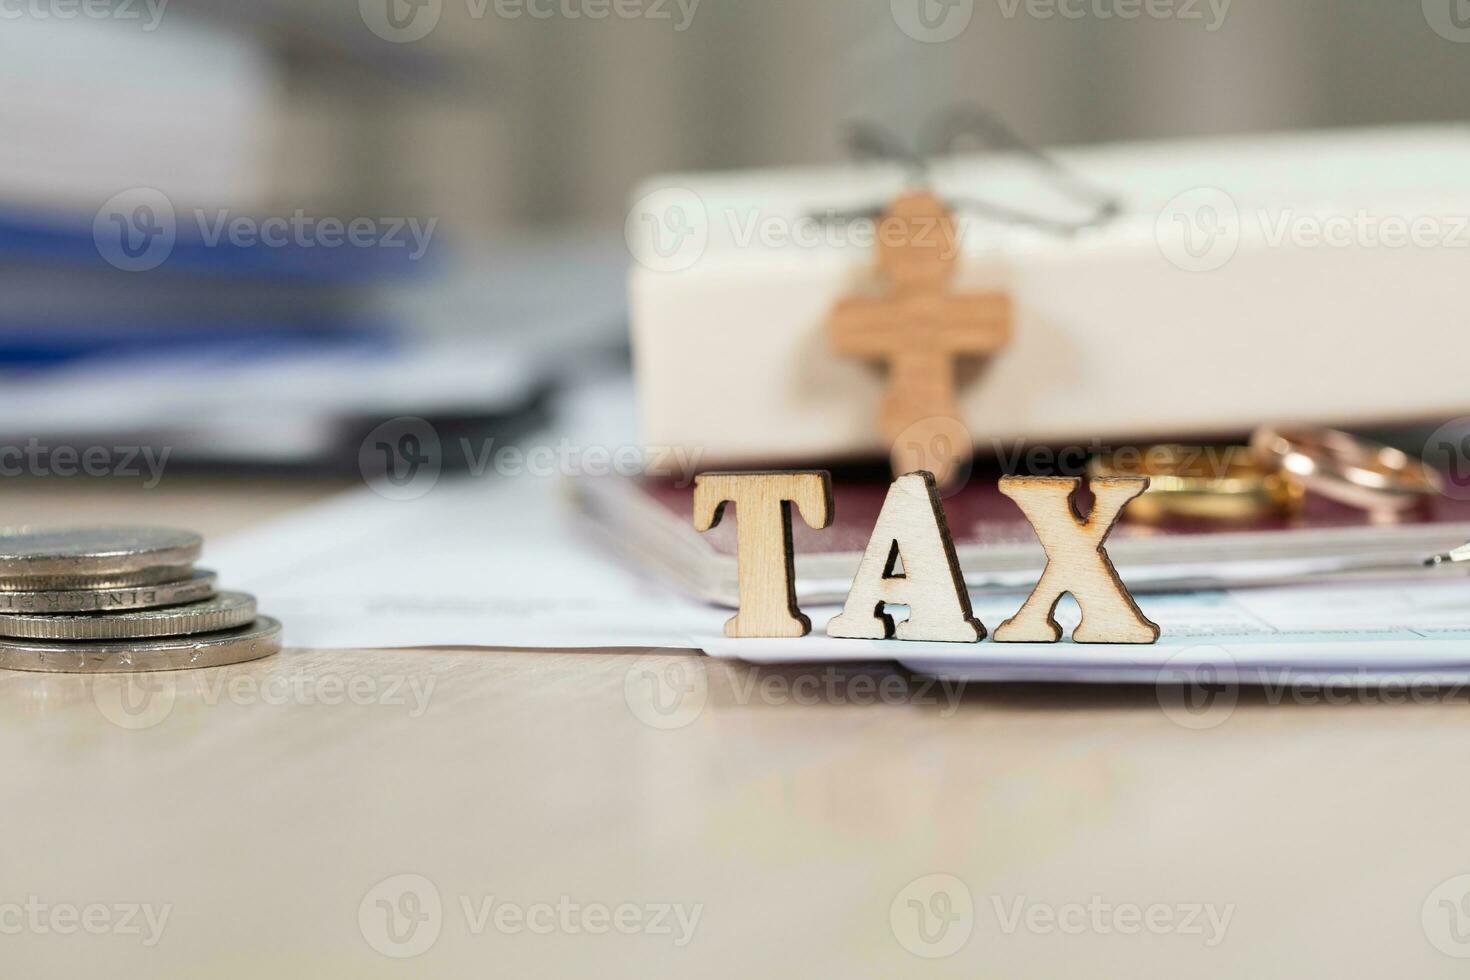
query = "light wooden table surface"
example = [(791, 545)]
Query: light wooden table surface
[(450, 813)]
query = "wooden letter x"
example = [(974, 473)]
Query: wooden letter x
[(763, 541), (911, 534), (1077, 563)]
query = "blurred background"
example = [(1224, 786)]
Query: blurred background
[(254, 231), (500, 119)]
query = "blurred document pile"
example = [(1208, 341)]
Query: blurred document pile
[(156, 289)]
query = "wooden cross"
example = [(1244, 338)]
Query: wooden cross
[(919, 329)]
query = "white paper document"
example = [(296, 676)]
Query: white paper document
[(500, 562), (493, 562)]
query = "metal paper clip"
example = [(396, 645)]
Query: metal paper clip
[(945, 131)]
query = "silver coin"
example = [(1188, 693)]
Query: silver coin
[(95, 554), (191, 587), (260, 639), (228, 610), (120, 580)]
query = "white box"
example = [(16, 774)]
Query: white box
[(1335, 291)]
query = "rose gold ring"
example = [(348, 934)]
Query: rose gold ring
[(1347, 469)]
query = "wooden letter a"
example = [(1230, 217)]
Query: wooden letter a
[(912, 534)]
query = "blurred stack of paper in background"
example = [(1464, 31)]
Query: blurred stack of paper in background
[(132, 313), (91, 107)]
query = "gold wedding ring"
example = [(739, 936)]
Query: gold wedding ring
[(1214, 483), (1347, 469)]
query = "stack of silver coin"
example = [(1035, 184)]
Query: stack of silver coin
[(120, 599)]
